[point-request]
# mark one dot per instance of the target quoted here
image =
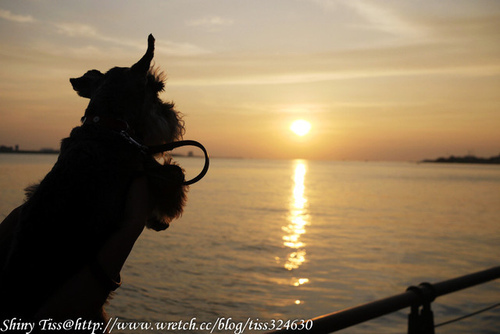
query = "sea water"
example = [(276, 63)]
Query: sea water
[(283, 240)]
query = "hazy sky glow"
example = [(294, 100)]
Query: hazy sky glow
[(377, 80)]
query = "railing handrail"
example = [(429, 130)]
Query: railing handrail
[(414, 296)]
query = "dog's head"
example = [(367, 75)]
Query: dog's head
[(131, 94)]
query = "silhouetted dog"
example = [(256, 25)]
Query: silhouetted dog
[(77, 206)]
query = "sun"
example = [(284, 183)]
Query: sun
[(300, 127)]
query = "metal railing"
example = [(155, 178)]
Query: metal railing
[(418, 298)]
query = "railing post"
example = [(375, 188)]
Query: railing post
[(427, 319), (413, 320), (422, 322)]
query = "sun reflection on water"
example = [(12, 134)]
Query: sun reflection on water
[(298, 220)]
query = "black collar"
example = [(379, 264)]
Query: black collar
[(108, 122)]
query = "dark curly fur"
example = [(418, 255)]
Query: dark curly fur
[(72, 212)]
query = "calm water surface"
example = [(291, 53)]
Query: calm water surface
[(296, 239)]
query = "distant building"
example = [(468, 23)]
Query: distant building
[(6, 148)]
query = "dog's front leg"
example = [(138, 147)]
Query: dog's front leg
[(85, 293)]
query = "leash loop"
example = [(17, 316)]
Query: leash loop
[(170, 146)]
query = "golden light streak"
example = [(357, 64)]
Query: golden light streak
[(298, 221)]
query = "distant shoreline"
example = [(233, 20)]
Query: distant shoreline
[(451, 159), (57, 152), (30, 152), (469, 159)]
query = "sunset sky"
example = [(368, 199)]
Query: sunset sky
[(376, 79)]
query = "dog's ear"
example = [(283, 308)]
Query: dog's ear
[(86, 85), (142, 66)]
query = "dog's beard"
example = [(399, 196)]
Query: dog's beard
[(168, 193)]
